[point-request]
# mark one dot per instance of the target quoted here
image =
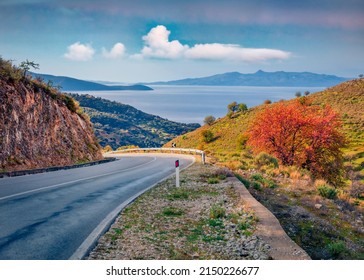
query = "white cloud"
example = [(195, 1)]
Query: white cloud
[(118, 50), (233, 52), (157, 45), (79, 52)]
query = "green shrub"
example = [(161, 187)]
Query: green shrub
[(242, 107), (207, 136), (336, 248), (217, 212), (256, 186), (327, 191), (257, 177), (265, 159)]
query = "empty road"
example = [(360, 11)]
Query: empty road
[(59, 215)]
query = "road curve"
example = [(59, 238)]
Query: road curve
[(59, 215)]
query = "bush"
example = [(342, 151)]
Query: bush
[(242, 107), (266, 102), (233, 107), (266, 159), (289, 131), (336, 248), (327, 191), (217, 212), (209, 120), (257, 177), (256, 186), (207, 136)]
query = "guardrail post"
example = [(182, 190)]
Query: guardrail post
[(203, 157)]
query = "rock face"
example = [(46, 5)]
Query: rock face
[(37, 128)]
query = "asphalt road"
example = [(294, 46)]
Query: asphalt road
[(59, 215)]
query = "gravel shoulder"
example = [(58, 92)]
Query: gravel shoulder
[(211, 216)]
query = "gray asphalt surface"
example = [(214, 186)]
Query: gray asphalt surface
[(50, 215)]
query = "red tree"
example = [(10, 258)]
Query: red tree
[(300, 134)]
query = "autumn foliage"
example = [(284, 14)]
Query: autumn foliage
[(301, 134)]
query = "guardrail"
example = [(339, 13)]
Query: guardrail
[(174, 150)]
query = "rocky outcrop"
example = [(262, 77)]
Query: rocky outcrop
[(38, 128)]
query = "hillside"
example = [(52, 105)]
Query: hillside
[(326, 226), (261, 78), (72, 84), (117, 124), (346, 98), (39, 126)]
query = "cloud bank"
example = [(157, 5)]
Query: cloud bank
[(79, 52), (157, 45)]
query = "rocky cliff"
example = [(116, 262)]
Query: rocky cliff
[(39, 126)]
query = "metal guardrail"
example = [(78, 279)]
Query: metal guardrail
[(174, 150)]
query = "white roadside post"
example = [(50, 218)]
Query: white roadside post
[(177, 173)]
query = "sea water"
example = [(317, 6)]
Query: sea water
[(191, 104)]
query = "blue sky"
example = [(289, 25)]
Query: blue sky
[(143, 41)]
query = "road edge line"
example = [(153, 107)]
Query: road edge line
[(90, 242)]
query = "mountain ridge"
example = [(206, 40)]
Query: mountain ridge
[(260, 78), (73, 84)]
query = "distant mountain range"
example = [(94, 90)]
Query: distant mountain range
[(72, 84), (261, 78)]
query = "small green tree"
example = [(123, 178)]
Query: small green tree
[(209, 120), (298, 94), (26, 65), (232, 107), (242, 107)]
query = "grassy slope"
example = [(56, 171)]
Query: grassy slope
[(325, 228), (346, 98)]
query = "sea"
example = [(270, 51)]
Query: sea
[(191, 104)]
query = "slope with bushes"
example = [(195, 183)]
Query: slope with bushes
[(118, 124), (326, 220)]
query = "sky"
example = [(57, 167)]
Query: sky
[(130, 41)]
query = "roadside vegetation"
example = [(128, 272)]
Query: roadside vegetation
[(304, 160), (202, 219)]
